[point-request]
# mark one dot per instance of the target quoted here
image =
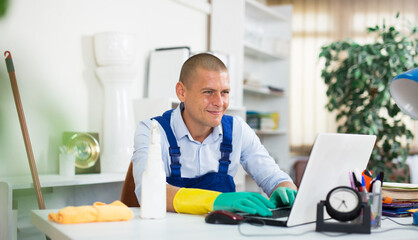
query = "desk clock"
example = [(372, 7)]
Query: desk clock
[(343, 203)]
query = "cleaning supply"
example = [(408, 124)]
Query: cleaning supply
[(200, 201), (194, 201), (70, 214), (99, 212), (153, 192), (116, 211)]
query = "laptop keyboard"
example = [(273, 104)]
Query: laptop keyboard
[(279, 217), (277, 213)]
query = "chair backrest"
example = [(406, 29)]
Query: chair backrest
[(128, 196), (299, 168)]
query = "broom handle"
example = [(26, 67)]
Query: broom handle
[(23, 126)]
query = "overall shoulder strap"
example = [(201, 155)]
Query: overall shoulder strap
[(226, 145), (174, 149)]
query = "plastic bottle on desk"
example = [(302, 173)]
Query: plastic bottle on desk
[(153, 192)]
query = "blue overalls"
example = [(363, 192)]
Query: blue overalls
[(216, 181)]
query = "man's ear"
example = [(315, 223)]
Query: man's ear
[(180, 91)]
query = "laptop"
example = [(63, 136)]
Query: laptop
[(333, 155)]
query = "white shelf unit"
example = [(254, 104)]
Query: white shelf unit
[(258, 37), (263, 91), (271, 132), (258, 10), (55, 180), (255, 51)]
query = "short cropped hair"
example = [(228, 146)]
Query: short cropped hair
[(206, 61)]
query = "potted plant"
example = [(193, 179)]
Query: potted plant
[(358, 77), (3, 7)]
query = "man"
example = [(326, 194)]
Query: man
[(201, 148)]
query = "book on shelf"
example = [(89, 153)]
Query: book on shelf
[(263, 121)]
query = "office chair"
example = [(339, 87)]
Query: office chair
[(299, 168), (128, 196)]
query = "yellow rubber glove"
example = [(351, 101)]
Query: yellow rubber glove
[(194, 201)]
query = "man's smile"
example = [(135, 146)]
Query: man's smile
[(215, 112)]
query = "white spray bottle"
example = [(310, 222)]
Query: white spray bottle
[(153, 192)]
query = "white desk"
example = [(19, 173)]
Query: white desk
[(184, 226)]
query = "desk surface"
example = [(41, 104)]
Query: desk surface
[(183, 226)]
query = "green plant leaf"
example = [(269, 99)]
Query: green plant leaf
[(3, 7), (357, 89)]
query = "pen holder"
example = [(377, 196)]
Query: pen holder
[(67, 164), (375, 202)]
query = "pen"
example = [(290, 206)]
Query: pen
[(350, 177), (356, 183), (368, 178), (364, 191), (357, 176), (363, 185), (380, 177), (377, 186)]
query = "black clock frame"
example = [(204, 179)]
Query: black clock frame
[(362, 226)]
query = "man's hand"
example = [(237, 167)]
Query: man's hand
[(253, 203), (283, 196)]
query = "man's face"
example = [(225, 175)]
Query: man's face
[(206, 98)]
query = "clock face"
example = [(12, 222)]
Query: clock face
[(343, 200), (343, 203)]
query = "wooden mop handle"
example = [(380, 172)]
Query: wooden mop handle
[(23, 126)]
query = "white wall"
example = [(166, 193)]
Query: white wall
[(52, 49)]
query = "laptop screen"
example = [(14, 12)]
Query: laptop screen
[(333, 155)]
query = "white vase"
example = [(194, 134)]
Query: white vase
[(113, 48), (115, 55)]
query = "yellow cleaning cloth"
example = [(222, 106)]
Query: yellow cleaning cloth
[(116, 211), (70, 214), (99, 212)]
